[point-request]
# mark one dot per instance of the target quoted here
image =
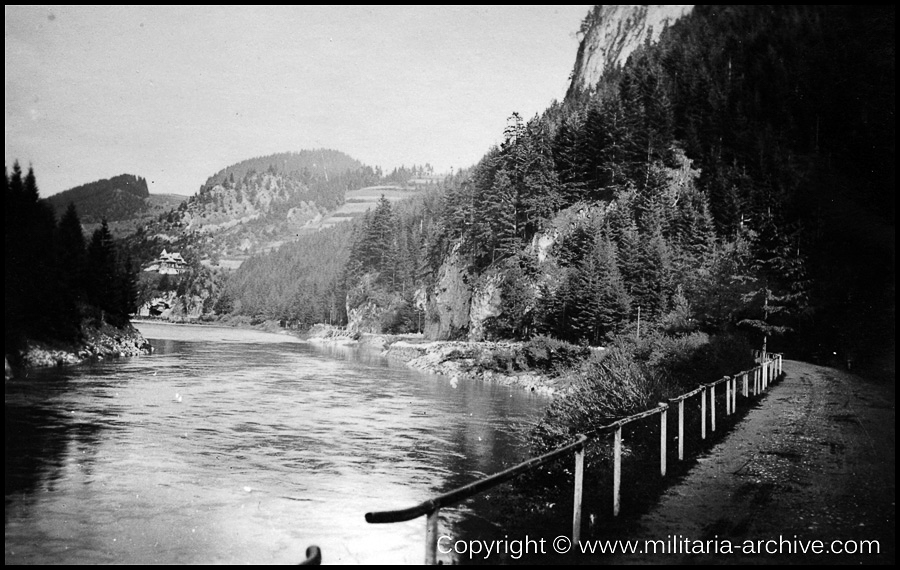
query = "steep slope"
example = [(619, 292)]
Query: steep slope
[(258, 204), (612, 32), (241, 211)]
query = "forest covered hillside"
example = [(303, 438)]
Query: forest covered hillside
[(253, 206), (735, 177), (251, 209), (123, 201), (111, 199)]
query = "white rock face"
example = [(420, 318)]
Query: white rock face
[(451, 301), (614, 32), (486, 302)]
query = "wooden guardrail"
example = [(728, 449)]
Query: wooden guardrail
[(432, 507), (753, 382)]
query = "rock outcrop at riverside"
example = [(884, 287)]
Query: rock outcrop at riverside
[(612, 32), (450, 302), (98, 343), (491, 362)]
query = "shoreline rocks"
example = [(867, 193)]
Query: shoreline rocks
[(97, 343), (498, 362), (483, 360)]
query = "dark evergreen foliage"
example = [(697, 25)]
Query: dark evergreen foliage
[(50, 279), (117, 198)]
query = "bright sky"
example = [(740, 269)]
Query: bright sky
[(174, 94)]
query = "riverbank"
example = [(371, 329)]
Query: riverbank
[(532, 366), (209, 332), (96, 343)]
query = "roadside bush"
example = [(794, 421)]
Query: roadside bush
[(551, 355), (632, 376)]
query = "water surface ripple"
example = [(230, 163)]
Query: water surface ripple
[(231, 448)]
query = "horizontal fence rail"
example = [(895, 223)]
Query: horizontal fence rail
[(768, 370), (432, 507)]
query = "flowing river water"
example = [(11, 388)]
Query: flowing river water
[(229, 446)]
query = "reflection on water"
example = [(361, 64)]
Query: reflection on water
[(242, 452)]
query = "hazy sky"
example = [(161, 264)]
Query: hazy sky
[(175, 94)]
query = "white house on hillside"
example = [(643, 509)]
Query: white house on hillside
[(168, 264)]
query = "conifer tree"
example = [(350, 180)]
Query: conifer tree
[(102, 271), (71, 263)]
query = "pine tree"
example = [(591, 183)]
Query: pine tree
[(601, 304), (127, 285), (102, 274), (71, 263)]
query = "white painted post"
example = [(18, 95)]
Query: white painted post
[(617, 468), (579, 485), (765, 375), (681, 429), (663, 415), (728, 397), (703, 413), (734, 395), (712, 407), (746, 385), (431, 537)]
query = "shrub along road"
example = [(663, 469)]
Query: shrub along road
[(813, 460)]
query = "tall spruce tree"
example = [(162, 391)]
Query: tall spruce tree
[(102, 277)]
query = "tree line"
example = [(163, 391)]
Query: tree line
[(53, 277)]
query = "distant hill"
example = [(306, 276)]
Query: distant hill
[(305, 164), (123, 201), (115, 199), (255, 205)]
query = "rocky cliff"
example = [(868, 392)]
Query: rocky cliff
[(612, 32)]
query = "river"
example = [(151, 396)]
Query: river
[(241, 447)]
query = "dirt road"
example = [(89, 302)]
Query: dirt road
[(813, 461)]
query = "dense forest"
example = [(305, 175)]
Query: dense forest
[(113, 199), (306, 164), (54, 279), (736, 176), (298, 283)]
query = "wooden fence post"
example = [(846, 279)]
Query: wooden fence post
[(662, 438), (579, 485), (431, 537), (734, 394), (703, 412), (681, 429), (617, 468), (728, 397), (712, 407)]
